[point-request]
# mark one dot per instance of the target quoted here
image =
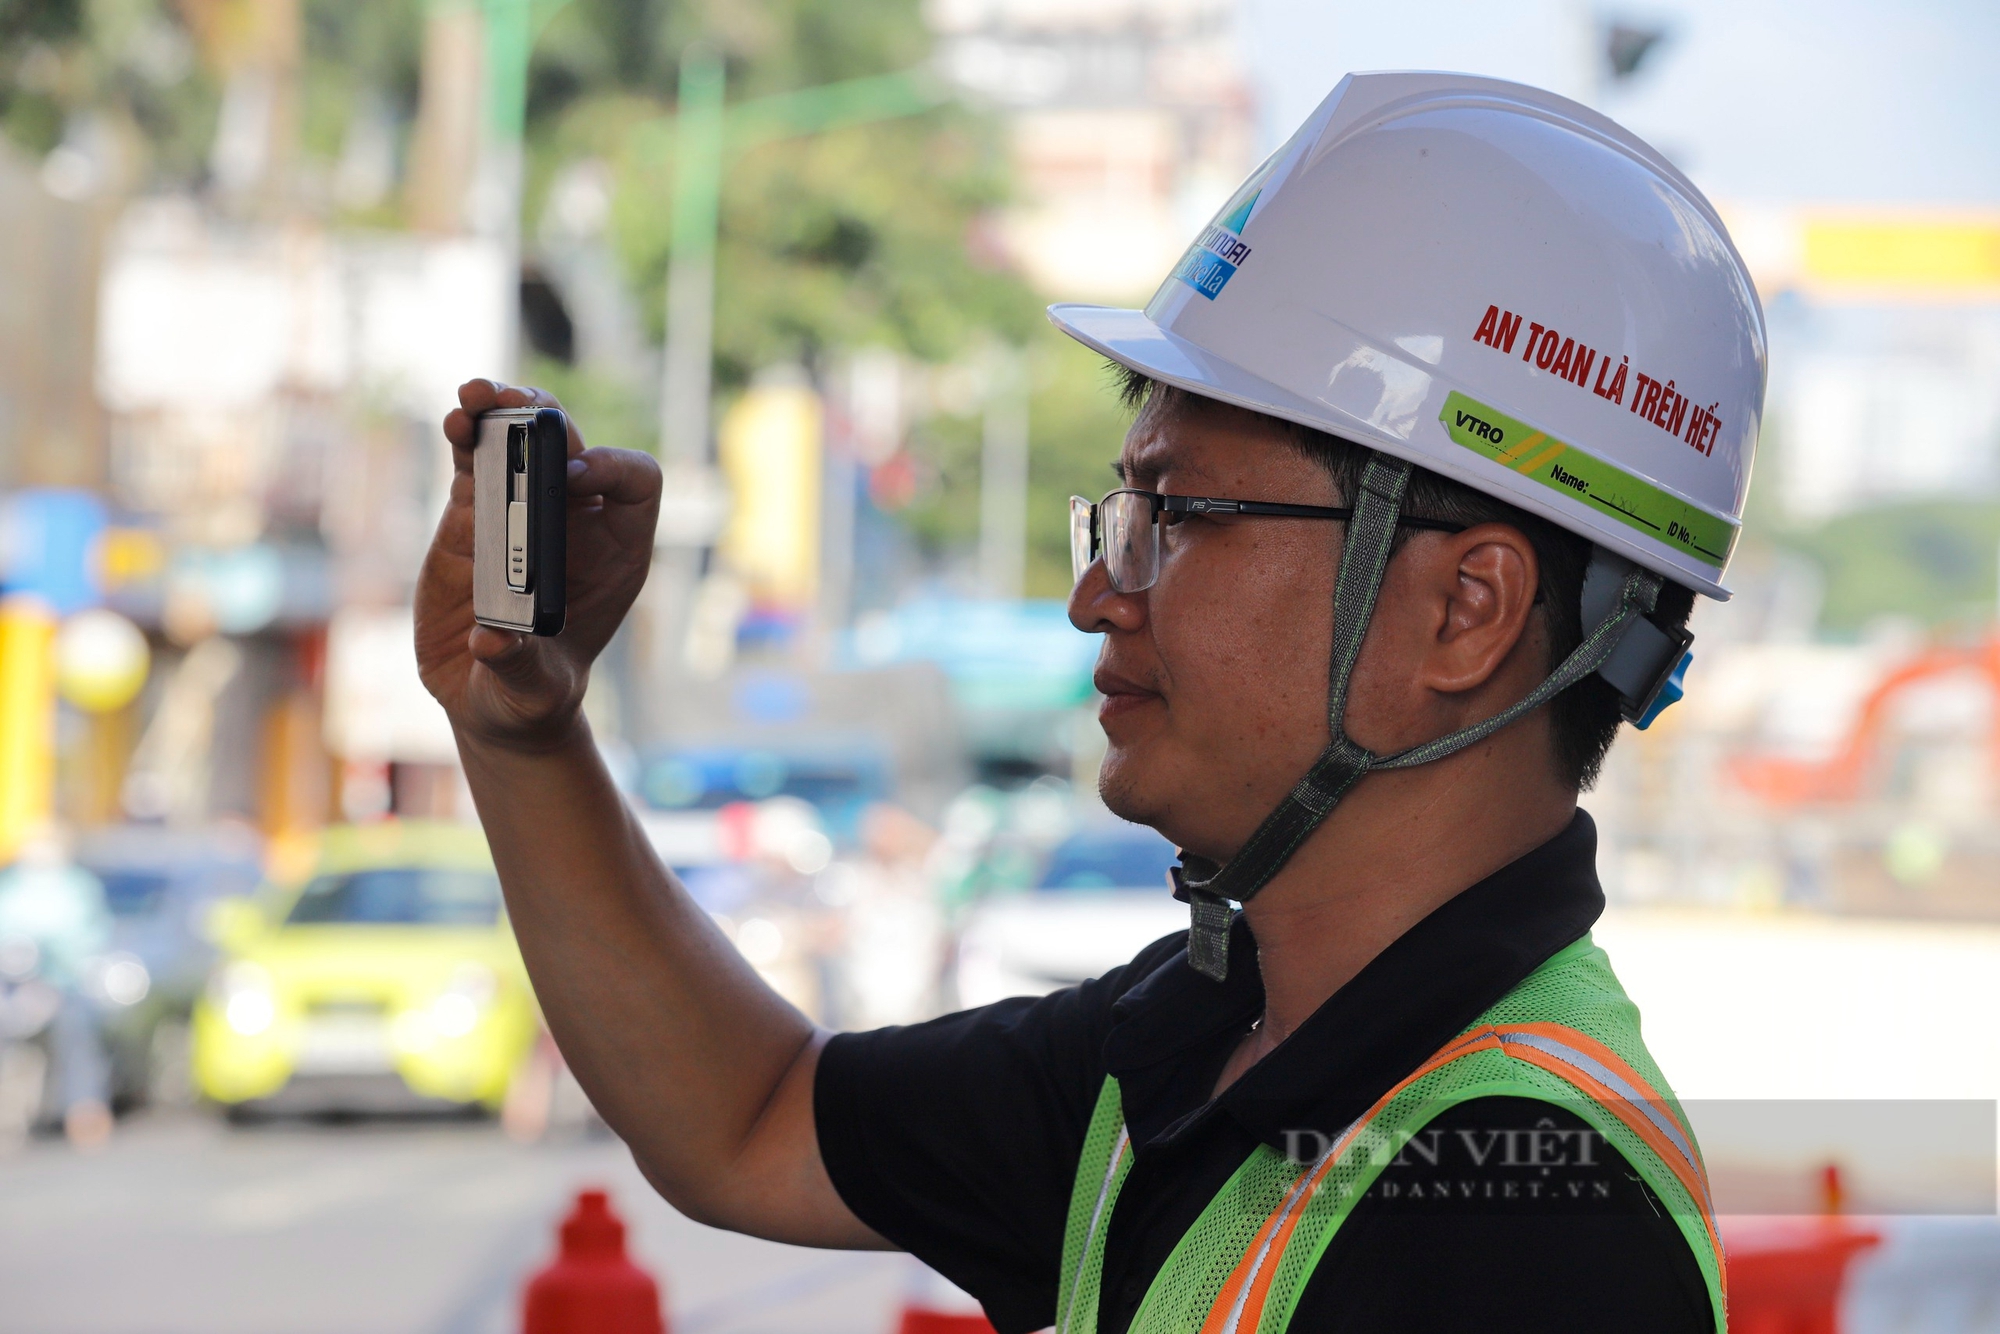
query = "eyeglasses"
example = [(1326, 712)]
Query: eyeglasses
[(1124, 528)]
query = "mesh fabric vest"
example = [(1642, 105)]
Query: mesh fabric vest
[(1567, 1035)]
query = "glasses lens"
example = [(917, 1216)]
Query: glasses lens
[(1081, 545), (1131, 542)]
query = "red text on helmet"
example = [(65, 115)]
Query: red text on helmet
[(1569, 359)]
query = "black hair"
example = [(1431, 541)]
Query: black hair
[(1583, 720)]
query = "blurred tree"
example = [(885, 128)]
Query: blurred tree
[(114, 80), (358, 102), (35, 37), (143, 79), (1076, 426), (1929, 561), (855, 237), (1932, 562), (872, 235)]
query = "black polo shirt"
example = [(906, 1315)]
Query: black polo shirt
[(958, 1139)]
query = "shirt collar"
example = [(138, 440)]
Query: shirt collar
[(1172, 1031)]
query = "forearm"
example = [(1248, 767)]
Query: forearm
[(706, 1073), (681, 1046)]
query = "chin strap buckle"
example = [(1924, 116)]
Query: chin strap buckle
[(1648, 664), (1666, 691), (1209, 917)]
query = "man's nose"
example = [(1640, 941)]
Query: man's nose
[(1096, 608)]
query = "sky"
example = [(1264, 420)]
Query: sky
[(1757, 100)]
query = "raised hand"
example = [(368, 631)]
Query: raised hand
[(505, 688)]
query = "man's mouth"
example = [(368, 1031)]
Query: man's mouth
[(1121, 695)]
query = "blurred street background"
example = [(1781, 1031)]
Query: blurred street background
[(267, 1057)]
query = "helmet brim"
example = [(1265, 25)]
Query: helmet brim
[(1131, 338)]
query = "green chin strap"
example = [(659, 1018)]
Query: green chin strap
[(1208, 889)]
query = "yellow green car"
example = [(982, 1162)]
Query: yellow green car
[(389, 979)]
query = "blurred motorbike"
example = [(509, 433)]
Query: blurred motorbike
[(54, 1043), (28, 1007)]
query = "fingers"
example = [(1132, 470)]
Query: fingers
[(461, 424), (531, 673), (621, 476), (454, 530), (477, 396), (509, 655), (491, 645), (542, 398)]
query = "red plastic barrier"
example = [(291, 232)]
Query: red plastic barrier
[(592, 1287), (917, 1321), (1786, 1275), (943, 1323), (931, 1305), (1794, 1288)]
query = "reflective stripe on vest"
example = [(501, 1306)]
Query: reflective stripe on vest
[(1600, 1072), (1587, 1065), (1520, 1047), (1106, 1192)]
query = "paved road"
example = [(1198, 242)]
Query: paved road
[(184, 1224)]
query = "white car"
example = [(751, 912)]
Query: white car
[(1102, 898)]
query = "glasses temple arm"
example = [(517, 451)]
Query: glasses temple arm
[(1277, 509)]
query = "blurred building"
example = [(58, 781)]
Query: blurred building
[(1839, 749), (1845, 778), (51, 432), (1885, 352), (1130, 121), (220, 425), (272, 392)]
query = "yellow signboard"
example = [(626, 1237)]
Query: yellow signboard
[(27, 720), (769, 444), (1942, 252)]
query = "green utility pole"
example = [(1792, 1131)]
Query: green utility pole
[(831, 106), (698, 150), (511, 27), (509, 39), (706, 137)]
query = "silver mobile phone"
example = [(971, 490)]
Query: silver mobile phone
[(520, 510)]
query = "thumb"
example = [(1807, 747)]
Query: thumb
[(536, 685), (514, 658)]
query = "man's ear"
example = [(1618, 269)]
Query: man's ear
[(1484, 581)]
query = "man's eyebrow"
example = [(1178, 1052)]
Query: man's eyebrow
[(1118, 469), (1141, 472)]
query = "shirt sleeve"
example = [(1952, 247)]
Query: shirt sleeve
[(958, 1139), (1458, 1240)]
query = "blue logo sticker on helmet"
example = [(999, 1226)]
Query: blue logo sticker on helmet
[(1241, 213), (1219, 251)]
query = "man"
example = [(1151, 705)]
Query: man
[(54, 923), (1398, 545)]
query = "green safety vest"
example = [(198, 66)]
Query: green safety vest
[(1566, 1034)]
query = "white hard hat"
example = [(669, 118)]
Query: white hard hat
[(1491, 282)]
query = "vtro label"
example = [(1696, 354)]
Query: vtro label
[(1605, 487)]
